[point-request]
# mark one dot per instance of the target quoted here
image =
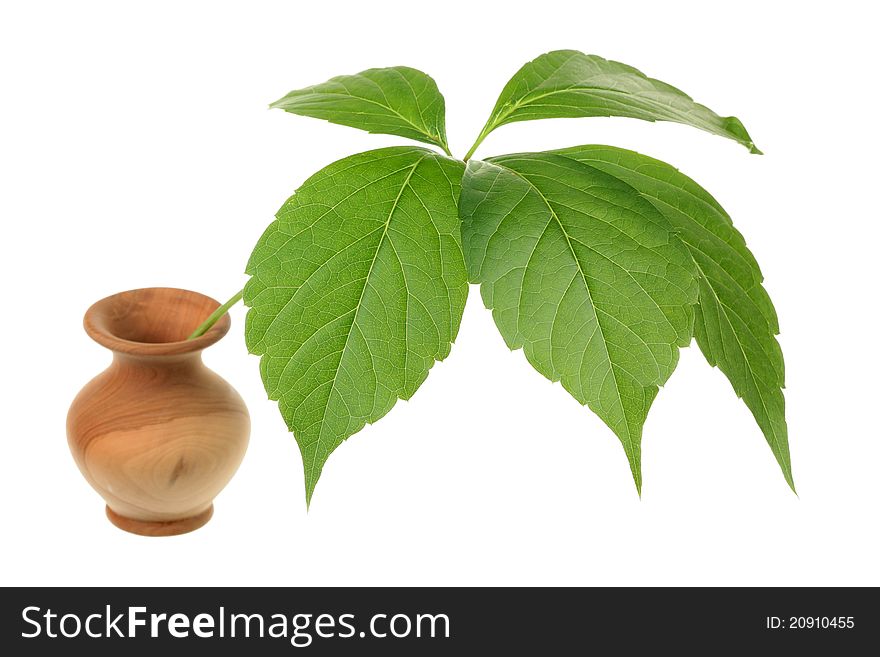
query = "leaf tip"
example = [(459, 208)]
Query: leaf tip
[(635, 467), (735, 128), (790, 481), (310, 490), (279, 104)]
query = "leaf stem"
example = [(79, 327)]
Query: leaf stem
[(483, 134), (205, 326)]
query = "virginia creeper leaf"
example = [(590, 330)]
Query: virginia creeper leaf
[(735, 319), (356, 289), (568, 84), (398, 101), (586, 276)]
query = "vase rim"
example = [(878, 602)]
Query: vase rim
[(154, 321)]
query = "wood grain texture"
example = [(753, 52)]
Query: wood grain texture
[(157, 434)]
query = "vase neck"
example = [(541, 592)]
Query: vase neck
[(191, 360)]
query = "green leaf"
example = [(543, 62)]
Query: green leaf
[(569, 84), (586, 276), (357, 289), (735, 319), (398, 101)]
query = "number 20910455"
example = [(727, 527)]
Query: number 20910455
[(810, 623)]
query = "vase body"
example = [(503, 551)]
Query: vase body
[(157, 434)]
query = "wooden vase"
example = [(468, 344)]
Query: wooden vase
[(157, 434)]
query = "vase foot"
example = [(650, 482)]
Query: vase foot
[(158, 528)]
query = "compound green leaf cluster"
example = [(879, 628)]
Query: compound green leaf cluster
[(599, 263)]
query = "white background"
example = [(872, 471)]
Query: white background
[(136, 149)]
